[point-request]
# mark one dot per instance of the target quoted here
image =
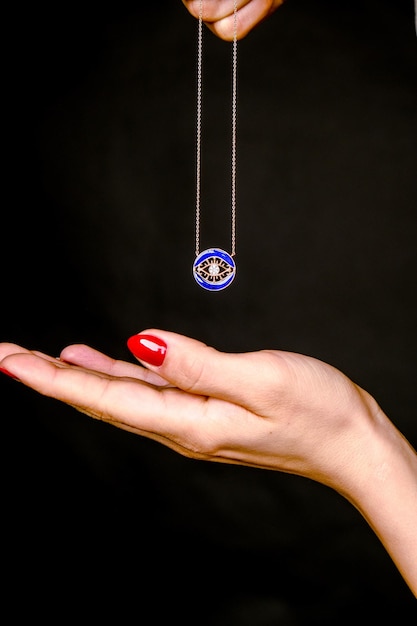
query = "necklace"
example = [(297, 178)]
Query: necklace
[(214, 269)]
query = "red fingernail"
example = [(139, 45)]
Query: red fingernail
[(4, 371), (148, 348)]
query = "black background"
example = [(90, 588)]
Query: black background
[(97, 234)]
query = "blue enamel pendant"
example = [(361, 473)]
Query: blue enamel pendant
[(214, 269)]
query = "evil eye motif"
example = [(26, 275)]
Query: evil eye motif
[(214, 269)]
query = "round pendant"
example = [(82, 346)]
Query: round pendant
[(214, 269)]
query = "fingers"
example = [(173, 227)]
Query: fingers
[(10, 348), (82, 356), (88, 358), (219, 15), (199, 369), (214, 9), (174, 418), (184, 363), (97, 393)]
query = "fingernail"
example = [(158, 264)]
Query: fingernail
[(148, 348), (4, 371)]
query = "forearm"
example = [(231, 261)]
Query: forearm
[(385, 492)]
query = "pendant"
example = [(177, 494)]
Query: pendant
[(214, 269)]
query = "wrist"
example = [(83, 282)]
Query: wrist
[(383, 487)]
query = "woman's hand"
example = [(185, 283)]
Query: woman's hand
[(219, 15), (268, 409)]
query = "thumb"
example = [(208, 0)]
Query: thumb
[(197, 368)]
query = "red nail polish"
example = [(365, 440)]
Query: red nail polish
[(148, 348), (4, 371)]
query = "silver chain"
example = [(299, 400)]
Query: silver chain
[(199, 131)]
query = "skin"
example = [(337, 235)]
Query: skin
[(270, 409), (218, 15), (274, 410)]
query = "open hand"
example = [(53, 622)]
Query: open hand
[(268, 409)]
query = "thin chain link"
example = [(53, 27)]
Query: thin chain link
[(199, 131), (234, 125)]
